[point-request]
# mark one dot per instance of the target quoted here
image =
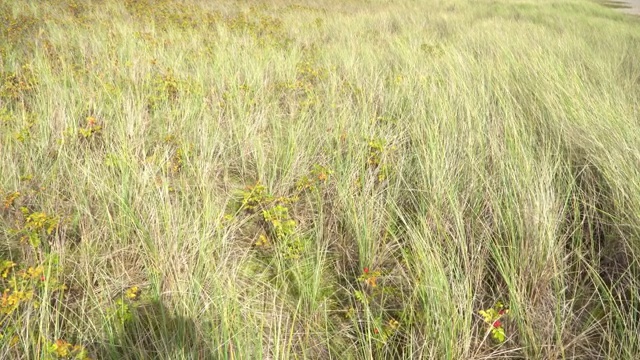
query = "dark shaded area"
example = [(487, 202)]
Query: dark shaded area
[(154, 332), (628, 6)]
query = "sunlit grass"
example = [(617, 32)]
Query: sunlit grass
[(349, 180)]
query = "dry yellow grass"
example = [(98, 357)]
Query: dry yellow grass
[(319, 179)]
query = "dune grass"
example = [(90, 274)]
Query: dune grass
[(319, 179)]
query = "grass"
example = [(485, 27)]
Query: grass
[(322, 179)]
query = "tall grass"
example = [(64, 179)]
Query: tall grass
[(323, 179)]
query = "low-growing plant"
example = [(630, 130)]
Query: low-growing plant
[(24, 133), (254, 197), (316, 177), (122, 311), (370, 278), (493, 318), (37, 227), (283, 230), (91, 129), (24, 287), (17, 85), (166, 88), (62, 349), (377, 155), (10, 198)]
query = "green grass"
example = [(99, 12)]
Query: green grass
[(315, 180)]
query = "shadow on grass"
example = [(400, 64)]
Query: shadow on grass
[(154, 332), (616, 4)]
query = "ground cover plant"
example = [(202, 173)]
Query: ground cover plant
[(317, 179)]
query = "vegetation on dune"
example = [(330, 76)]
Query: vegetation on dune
[(319, 179)]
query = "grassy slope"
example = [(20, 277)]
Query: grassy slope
[(479, 152)]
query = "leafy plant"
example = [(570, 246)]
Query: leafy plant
[(376, 158), (37, 226), (24, 287), (122, 310), (316, 177), (62, 349), (283, 229), (91, 129), (492, 317), (254, 197), (10, 199)]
